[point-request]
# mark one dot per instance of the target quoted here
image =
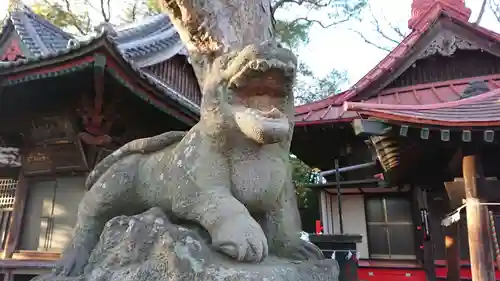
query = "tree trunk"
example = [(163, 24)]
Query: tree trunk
[(210, 28)]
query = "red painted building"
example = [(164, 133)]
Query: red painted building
[(429, 104)]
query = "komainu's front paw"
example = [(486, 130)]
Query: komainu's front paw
[(301, 250), (72, 262), (241, 238)]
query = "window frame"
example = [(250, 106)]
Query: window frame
[(387, 224)]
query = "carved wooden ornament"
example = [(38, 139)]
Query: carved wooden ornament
[(12, 52), (446, 44)]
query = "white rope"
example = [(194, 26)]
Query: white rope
[(454, 216)]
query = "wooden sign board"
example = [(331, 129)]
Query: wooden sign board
[(54, 158), (50, 130), (69, 157), (37, 161)]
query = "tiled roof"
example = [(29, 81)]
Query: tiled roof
[(480, 110), (316, 112), (400, 53), (40, 36), (47, 41), (150, 79), (424, 94), (150, 41), (323, 112)]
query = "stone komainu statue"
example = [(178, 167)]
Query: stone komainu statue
[(230, 173)]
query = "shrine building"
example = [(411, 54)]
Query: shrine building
[(414, 139), (65, 103)]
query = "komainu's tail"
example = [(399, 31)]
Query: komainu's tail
[(141, 146)]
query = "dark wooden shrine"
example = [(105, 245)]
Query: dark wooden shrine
[(66, 103)]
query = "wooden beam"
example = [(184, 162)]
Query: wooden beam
[(456, 193), (16, 219), (364, 127), (487, 192), (99, 67), (481, 257), (36, 255)]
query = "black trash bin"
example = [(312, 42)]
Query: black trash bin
[(343, 249)]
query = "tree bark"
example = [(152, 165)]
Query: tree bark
[(210, 28)]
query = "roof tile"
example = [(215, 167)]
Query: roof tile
[(390, 62), (153, 41)]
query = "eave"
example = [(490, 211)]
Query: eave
[(478, 111), (395, 63), (83, 55)]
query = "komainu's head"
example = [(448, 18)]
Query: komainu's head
[(251, 90)]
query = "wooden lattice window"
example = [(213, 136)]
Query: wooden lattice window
[(7, 194), (390, 227)]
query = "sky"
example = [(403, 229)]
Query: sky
[(341, 48)]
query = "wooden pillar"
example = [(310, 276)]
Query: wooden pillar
[(456, 194), (477, 220), (16, 219)]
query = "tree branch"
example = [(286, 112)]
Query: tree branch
[(318, 5), (379, 30), (371, 42), (495, 8), (481, 13), (75, 21), (323, 25)]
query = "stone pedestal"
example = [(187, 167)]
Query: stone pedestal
[(341, 248), (148, 247)]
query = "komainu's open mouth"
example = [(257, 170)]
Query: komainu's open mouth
[(261, 68), (263, 94), (259, 106), (260, 79)]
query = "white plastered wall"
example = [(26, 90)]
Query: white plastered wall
[(353, 217)]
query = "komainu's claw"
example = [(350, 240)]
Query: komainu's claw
[(244, 241), (72, 262), (302, 250)]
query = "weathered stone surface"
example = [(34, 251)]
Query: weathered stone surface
[(230, 174), (148, 247)]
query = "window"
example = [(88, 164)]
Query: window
[(390, 228)]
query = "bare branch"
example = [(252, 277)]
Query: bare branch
[(323, 25), (315, 5), (379, 30), (481, 13), (396, 29), (75, 21), (382, 32), (105, 16), (109, 11), (370, 42), (495, 8)]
